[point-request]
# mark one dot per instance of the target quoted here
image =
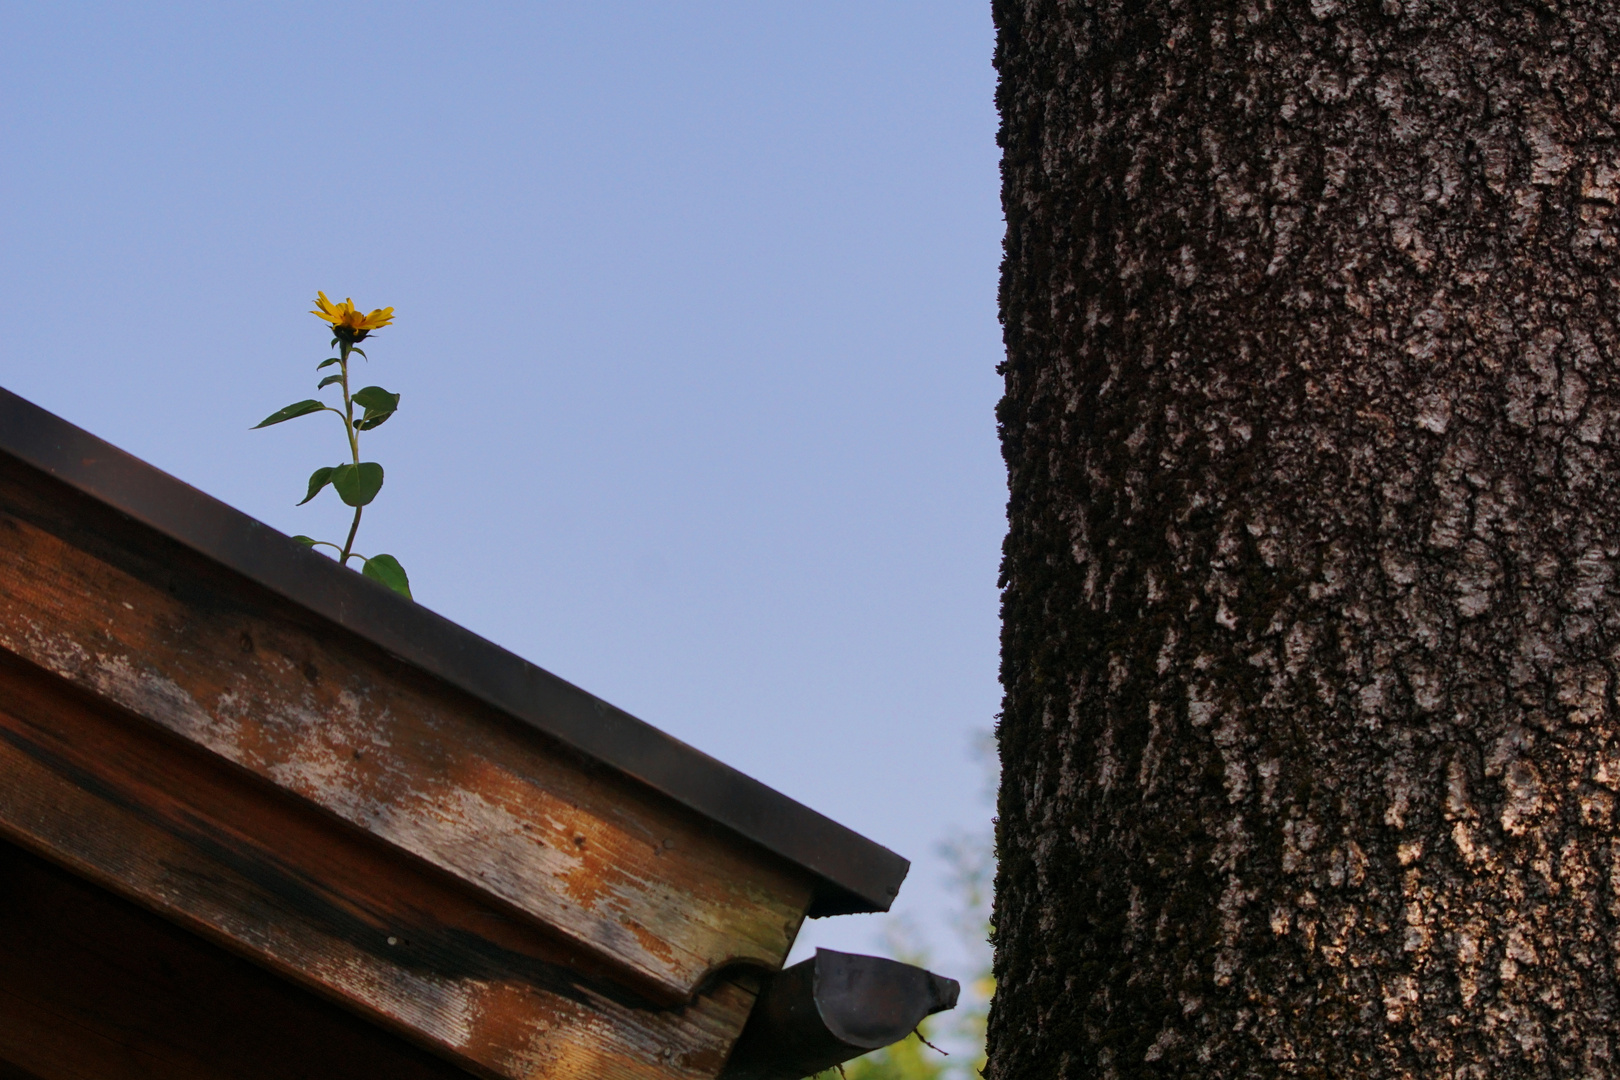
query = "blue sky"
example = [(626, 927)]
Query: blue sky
[(695, 334)]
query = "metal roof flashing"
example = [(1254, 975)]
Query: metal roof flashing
[(853, 874)]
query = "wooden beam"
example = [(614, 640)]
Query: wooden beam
[(92, 986), (623, 873), (231, 856), (851, 874)]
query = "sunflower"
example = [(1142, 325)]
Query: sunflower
[(347, 322)]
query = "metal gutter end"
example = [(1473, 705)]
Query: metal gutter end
[(831, 1008)]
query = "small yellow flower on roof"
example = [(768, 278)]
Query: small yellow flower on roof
[(347, 321)]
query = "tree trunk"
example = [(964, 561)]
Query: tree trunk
[(1310, 740)]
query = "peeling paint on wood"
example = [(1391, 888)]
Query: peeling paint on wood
[(177, 830), (621, 872)]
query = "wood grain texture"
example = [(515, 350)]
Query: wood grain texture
[(92, 986), (176, 829), (145, 624)]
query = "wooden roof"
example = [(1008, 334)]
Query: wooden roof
[(854, 874), (203, 717)]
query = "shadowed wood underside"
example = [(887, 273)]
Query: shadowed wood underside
[(91, 986)]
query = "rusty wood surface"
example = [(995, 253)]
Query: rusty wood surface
[(91, 986), (171, 826), (185, 644)]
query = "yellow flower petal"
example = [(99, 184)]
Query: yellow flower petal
[(345, 316)]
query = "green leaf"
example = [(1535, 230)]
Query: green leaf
[(386, 569), (360, 351), (358, 484), (379, 405), (302, 408), (375, 397), (328, 381), (307, 541), (319, 479), (328, 363)]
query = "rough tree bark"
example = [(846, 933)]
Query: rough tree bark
[(1312, 417)]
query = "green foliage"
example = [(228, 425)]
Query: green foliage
[(386, 569), (379, 405), (356, 482), (296, 409), (318, 480), (907, 1059)]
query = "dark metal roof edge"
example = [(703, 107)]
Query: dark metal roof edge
[(865, 876)]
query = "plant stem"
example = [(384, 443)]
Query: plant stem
[(354, 442), (348, 402), (348, 544)]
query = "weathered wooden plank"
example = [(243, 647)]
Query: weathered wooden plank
[(173, 827), (186, 645), (851, 874), (91, 986)]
